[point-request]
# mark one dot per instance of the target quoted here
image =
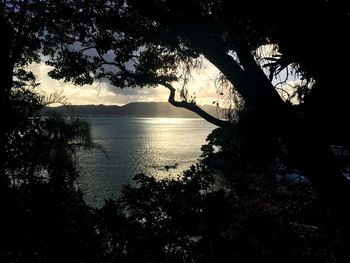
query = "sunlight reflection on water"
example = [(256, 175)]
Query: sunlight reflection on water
[(135, 145)]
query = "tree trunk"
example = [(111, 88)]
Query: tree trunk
[(307, 144)]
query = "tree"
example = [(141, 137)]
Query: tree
[(43, 214), (136, 44), (22, 28), (133, 44), (44, 217)]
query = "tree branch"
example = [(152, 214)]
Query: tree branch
[(194, 108), (104, 60)]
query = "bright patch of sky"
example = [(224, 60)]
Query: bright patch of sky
[(202, 85)]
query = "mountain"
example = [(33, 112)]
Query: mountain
[(160, 109), (84, 109), (141, 109)]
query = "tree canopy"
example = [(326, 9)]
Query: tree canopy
[(137, 44), (134, 44)]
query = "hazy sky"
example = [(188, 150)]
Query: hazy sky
[(104, 93)]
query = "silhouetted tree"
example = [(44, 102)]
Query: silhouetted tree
[(192, 219), (134, 43), (22, 27), (43, 215)]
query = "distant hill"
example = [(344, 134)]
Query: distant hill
[(84, 109), (141, 109)]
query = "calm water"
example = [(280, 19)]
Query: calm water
[(135, 145)]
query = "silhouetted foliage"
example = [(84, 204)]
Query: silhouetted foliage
[(260, 214), (279, 216), (43, 215), (169, 220), (194, 218), (133, 43)]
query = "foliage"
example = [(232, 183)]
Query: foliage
[(170, 220), (260, 215), (45, 222), (193, 218), (279, 215), (44, 149), (44, 217), (132, 43)]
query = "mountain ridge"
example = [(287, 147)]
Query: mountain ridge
[(137, 109)]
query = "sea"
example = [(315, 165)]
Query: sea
[(160, 147)]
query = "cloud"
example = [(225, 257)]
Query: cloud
[(103, 93)]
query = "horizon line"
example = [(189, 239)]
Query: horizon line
[(54, 105)]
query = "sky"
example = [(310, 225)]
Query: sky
[(103, 93), (202, 85)]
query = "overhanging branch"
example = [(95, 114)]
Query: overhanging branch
[(194, 108)]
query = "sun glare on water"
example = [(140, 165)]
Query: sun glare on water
[(166, 120)]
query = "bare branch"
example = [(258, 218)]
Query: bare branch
[(194, 108)]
